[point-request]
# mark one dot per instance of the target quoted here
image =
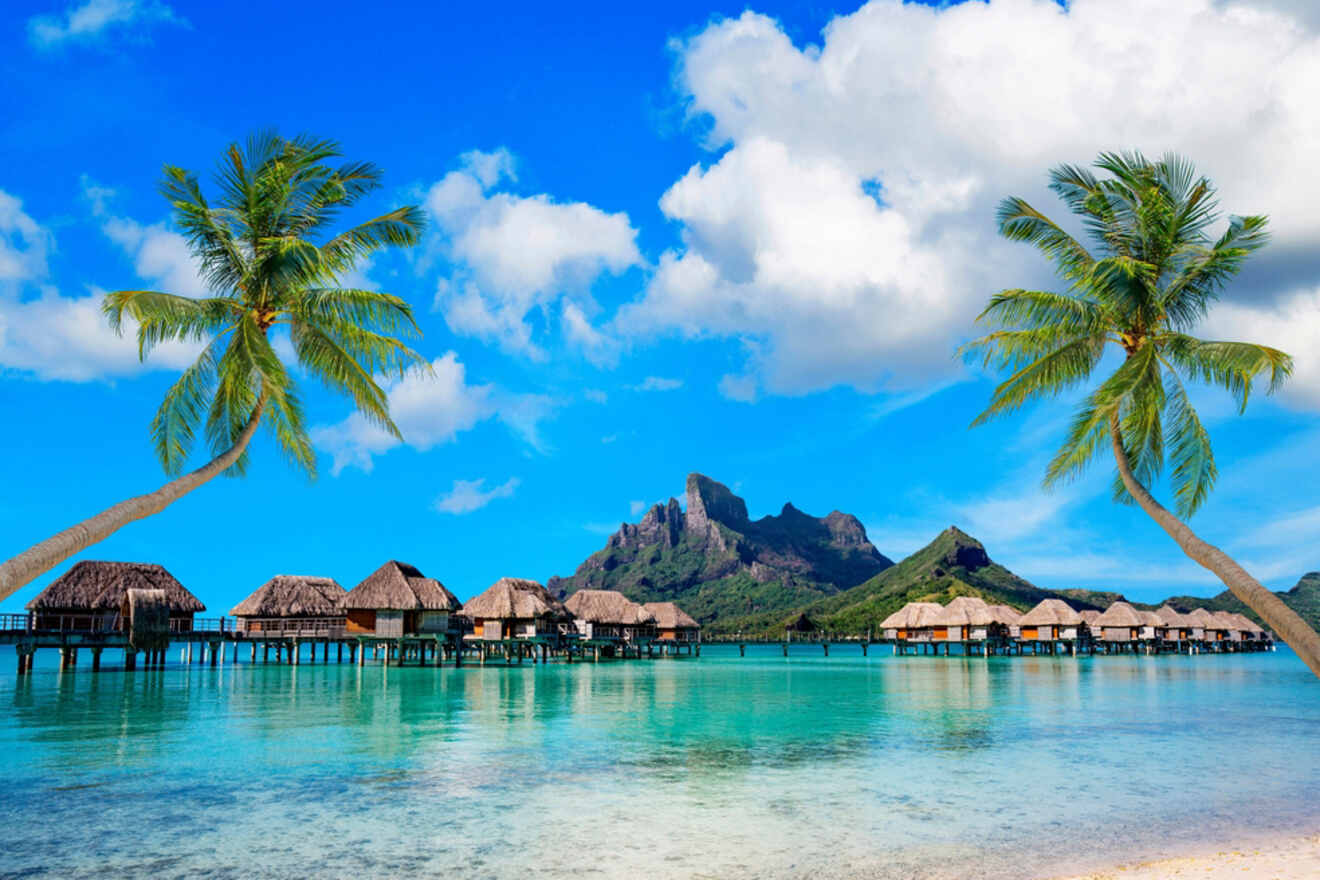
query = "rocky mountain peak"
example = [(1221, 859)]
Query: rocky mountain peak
[(963, 550), (709, 501)]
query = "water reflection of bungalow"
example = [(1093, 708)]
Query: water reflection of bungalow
[(293, 604), (93, 597), (515, 608), (397, 600), (1050, 622), (608, 614)]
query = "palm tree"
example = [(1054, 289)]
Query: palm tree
[(1151, 275), (267, 254)]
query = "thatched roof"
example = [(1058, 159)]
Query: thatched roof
[(398, 586), (1150, 618), (1120, 614), (1171, 616), (1005, 614), (607, 606), (1204, 619), (514, 599), (670, 616), (103, 586), (1227, 621), (1051, 612), (1247, 624), (968, 611), (915, 615), (293, 595), (1090, 616)]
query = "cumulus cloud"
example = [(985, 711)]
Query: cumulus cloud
[(431, 409), (468, 495), (56, 337), (94, 19), (1291, 324), (845, 235), (515, 257)]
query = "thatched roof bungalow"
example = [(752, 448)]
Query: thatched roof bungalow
[(608, 614), (292, 599), (1051, 620), (673, 623), (1178, 627), (1251, 631), (1152, 626), (396, 600), (1230, 626), (915, 622), (1204, 625), (93, 596), (516, 608), (971, 618), (1120, 622), (1009, 617)]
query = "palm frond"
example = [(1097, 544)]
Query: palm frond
[(1194, 470), (1233, 366)]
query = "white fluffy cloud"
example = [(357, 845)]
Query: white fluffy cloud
[(56, 337), (431, 410), (514, 256), (93, 19), (846, 235), (1292, 324), (468, 495), (657, 383)]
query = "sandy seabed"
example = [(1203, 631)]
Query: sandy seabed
[(1290, 859)]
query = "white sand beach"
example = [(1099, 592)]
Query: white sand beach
[(1291, 859)]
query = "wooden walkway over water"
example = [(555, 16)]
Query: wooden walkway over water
[(217, 641)]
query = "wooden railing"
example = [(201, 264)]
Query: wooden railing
[(15, 623), (286, 627)]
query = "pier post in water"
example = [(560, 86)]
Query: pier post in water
[(96, 659)]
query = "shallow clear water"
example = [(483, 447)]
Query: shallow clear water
[(720, 766)]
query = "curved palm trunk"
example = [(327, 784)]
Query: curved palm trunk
[(51, 552), (1278, 616)]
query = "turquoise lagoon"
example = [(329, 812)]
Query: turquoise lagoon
[(721, 766)]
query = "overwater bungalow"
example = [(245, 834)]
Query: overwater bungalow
[(93, 597), (1119, 624), (397, 600), (1251, 631), (1152, 627), (1204, 626), (608, 614), (293, 603), (515, 608), (673, 624), (972, 619), (1177, 626), (1231, 627), (914, 622), (1009, 617), (1052, 620)]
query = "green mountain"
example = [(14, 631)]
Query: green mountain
[(954, 564), (721, 566), (1303, 598)]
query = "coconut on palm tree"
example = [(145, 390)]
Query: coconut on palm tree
[(271, 258), (1148, 274)]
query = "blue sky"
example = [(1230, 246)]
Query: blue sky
[(739, 240)]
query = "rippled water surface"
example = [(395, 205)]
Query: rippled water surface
[(721, 766)]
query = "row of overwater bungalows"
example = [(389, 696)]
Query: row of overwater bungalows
[(980, 627), (394, 601)]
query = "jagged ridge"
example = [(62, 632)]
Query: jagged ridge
[(718, 563)]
